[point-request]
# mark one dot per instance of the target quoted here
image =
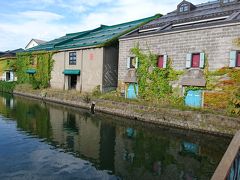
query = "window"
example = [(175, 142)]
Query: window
[(195, 60), (32, 61), (162, 61), (132, 62), (227, 1), (72, 58), (184, 8)]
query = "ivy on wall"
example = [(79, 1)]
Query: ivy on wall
[(225, 84), (42, 62), (153, 82), (7, 64)]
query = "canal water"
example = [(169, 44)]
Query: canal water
[(40, 140)]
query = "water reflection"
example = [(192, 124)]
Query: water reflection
[(127, 150)]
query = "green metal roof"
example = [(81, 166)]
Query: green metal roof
[(50, 45), (71, 72), (96, 37), (31, 71)]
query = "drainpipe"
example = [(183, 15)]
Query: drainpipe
[(64, 61), (81, 71)]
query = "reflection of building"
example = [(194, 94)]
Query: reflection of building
[(73, 131), (107, 142), (85, 135), (9, 102), (162, 156), (128, 152)]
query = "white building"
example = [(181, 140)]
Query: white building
[(34, 42)]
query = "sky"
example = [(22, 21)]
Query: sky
[(22, 20)]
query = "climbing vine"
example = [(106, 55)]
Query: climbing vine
[(224, 85), (153, 82), (41, 62), (6, 64)]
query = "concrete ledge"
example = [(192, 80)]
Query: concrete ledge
[(207, 123)]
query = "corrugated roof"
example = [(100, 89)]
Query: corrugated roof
[(50, 45), (95, 37)]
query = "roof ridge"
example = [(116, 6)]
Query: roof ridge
[(37, 39), (151, 17), (207, 3)]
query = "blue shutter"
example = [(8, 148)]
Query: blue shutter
[(202, 60), (165, 57), (188, 60), (233, 59), (128, 62), (136, 63)]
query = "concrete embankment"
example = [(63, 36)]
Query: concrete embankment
[(191, 120)]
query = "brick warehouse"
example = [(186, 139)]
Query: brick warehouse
[(188, 36)]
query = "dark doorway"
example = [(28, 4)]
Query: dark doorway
[(7, 76), (73, 81)]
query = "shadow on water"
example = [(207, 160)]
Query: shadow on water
[(123, 148)]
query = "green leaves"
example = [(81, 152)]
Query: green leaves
[(42, 62), (153, 82), (7, 86)]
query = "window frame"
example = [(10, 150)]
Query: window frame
[(199, 54), (183, 8), (189, 60), (72, 58), (132, 62), (160, 56)]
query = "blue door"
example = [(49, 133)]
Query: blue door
[(194, 98), (132, 91)]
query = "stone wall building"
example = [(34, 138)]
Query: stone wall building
[(89, 59), (190, 37)]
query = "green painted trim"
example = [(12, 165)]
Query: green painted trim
[(31, 71), (71, 72)]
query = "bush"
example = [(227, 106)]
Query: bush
[(234, 107), (7, 86), (86, 98), (96, 91)]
